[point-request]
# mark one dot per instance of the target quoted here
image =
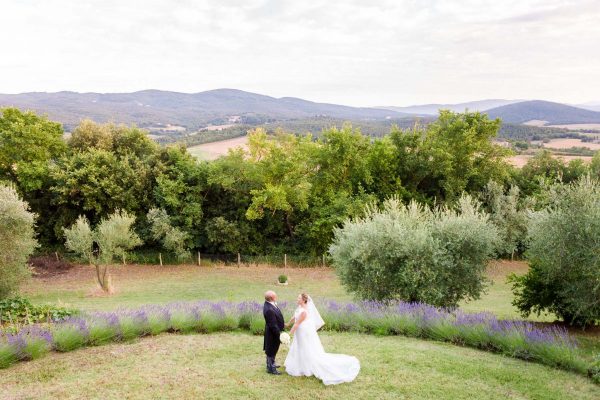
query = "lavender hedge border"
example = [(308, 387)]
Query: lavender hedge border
[(551, 346)]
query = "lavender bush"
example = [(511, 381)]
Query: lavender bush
[(547, 345)]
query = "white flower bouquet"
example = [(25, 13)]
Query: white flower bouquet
[(284, 338)]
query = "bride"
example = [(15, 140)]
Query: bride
[(307, 356)]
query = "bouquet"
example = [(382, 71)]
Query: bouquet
[(284, 338)]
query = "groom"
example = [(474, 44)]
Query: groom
[(274, 324)]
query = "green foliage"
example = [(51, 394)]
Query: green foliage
[(28, 143), (544, 169), (563, 253), (594, 370), (448, 157), (20, 311), (79, 239), (68, 337), (173, 239), (97, 182), (282, 278), (283, 194), (281, 168), (415, 254), (101, 333), (17, 240), (8, 355), (180, 188), (113, 237), (509, 214)]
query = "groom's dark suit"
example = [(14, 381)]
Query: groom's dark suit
[(274, 324)]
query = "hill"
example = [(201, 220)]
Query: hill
[(551, 113), (432, 109), (163, 110)]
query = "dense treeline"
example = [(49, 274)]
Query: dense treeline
[(373, 128), (285, 193)]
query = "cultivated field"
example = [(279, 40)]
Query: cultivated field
[(576, 127), (520, 160), (213, 150), (568, 143)]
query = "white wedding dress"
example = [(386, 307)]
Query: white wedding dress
[(307, 356)]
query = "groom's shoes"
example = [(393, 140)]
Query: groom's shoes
[(271, 367)]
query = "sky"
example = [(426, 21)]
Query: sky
[(355, 52)]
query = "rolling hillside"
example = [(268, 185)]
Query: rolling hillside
[(432, 109), (155, 108), (551, 113)]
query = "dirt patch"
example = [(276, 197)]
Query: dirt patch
[(503, 268), (48, 266)]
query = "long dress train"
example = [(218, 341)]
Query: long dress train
[(307, 357)]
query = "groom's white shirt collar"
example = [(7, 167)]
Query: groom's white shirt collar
[(273, 303)]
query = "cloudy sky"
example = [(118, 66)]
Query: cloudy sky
[(357, 52)]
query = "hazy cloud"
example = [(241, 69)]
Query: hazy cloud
[(351, 52)]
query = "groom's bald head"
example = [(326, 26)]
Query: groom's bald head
[(270, 295)]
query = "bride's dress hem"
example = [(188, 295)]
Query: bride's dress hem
[(308, 358)]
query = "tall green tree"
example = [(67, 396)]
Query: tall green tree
[(28, 143), (180, 188)]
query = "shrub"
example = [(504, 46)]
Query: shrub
[(16, 240), (593, 370), (102, 332), (563, 252), (282, 278), (509, 213), (416, 254), (70, 336), (35, 342), (20, 311), (8, 355)]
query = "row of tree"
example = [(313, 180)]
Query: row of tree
[(285, 193)]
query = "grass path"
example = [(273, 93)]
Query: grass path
[(230, 366)]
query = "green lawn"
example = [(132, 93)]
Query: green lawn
[(230, 366), (138, 285)]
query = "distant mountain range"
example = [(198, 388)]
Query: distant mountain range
[(538, 110), (174, 114), (191, 110), (432, 109)]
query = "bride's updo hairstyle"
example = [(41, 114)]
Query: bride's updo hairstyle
[(304, 298)]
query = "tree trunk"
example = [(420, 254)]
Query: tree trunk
[(289, 225), (103, 277)]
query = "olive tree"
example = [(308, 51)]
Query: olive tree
[(112, 238), (413, 253), (564, 255), (17, 240)]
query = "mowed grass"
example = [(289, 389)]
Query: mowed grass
[(231, 366), (136, 285)]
